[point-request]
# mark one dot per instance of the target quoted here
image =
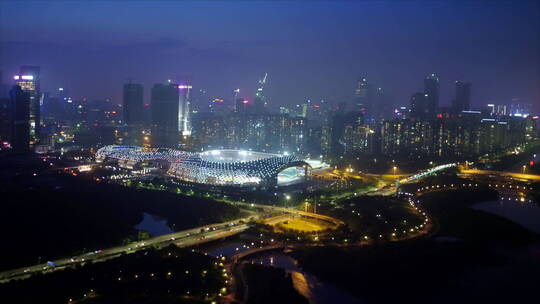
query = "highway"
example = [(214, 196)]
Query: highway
[(185, 238), (523, 176)]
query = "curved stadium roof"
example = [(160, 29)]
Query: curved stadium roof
[(216, 167)]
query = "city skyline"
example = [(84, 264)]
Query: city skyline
[(98, 57), (288, 151)]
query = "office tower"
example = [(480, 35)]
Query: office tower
[(133, 113), (462, 102), (28, 80), (5, 128), (133, 104), (241, 105), (235, 97), (4, 89), (364, 96), (165, 115), (20, 119), (184, 109), (419, 106), (432, 91)]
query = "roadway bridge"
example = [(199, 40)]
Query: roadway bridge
[(522, 176), (251, 251), (428, 172)]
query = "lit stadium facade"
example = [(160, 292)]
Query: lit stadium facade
[(216, 167)]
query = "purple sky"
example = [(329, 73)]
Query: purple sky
[(310, 49)]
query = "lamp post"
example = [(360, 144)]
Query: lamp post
[(524, 167), (394, 170)]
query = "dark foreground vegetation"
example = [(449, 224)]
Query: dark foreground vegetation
[(267, 284), (474, 257), (52, 215), (170, 275)]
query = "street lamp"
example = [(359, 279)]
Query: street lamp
[(287, 198), (524, 167), (394, 169)]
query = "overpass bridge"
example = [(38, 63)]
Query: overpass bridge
[(427, 173)]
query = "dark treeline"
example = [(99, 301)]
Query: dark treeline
[(170, 275), (54, 215)]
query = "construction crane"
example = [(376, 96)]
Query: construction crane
[(260, 103), (262, 82)]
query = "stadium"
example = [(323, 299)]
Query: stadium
[(217, 167)]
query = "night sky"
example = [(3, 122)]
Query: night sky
[(310, 49)]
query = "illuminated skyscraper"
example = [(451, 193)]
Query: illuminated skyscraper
[(184, 109), (165, 115), (28, 80), (431, 89)]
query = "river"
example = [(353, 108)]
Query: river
[(308, 285)]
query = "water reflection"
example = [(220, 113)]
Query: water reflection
[(306, 284), (154, 225), (524, 212)]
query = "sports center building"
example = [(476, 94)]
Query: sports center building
[(216, 167)]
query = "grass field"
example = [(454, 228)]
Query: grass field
[(305, 225)]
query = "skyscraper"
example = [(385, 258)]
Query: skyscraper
[(164, 109), (20, 119), (133, 113), (133, 104), (431, 89), (462, 102), (364, 97), (5, 119), (184, 109), (28, 80), (419, 106), (241, 106)]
